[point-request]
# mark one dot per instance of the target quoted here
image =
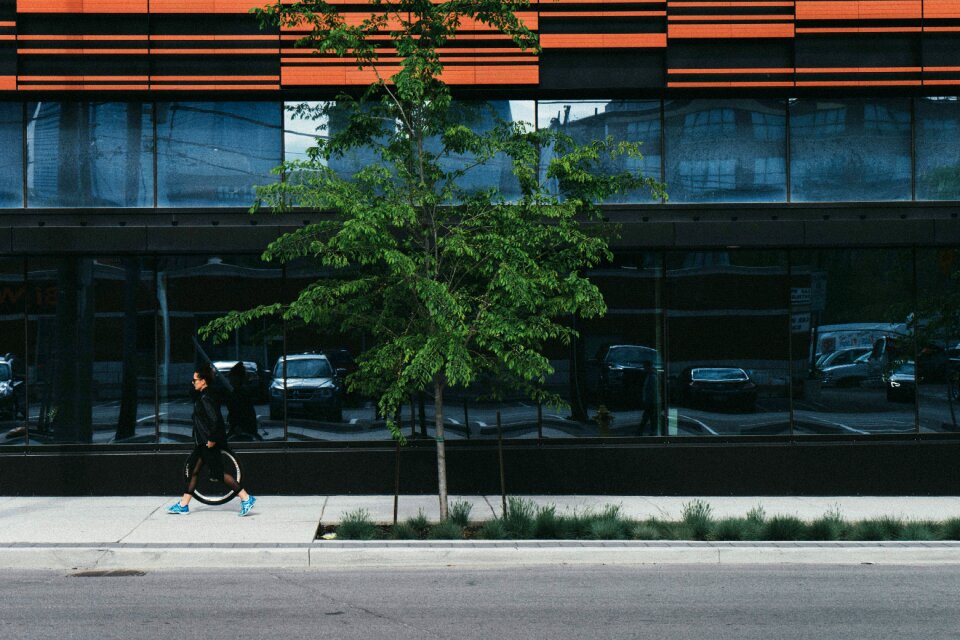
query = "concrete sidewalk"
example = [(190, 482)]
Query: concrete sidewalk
[(136, 532)]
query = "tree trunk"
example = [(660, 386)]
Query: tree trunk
[(441, 446)]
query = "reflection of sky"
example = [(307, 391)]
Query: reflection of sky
[(299, 133), (548, 110)]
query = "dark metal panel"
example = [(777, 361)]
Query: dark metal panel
[(6, 240), (612, 69), (889, 467), (646, 234), (831, 233), (101, 240), (947, 231), (183, 239), (739, 233)]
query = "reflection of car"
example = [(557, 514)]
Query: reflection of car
[(728, 387), (846, 375), (901, 383), (841, 356), (312, 386), (12, 391), (621, 370), (258, 382)]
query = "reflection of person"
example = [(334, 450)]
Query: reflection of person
[(209, 436), (651, 408), (241, 414)]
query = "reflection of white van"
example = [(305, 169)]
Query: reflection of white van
[(832, 337)]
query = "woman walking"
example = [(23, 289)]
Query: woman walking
[(209, 436)]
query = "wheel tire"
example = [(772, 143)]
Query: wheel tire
[(216, 492), (276, 413)]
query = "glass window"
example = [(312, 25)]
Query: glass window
[(725, 150), (851, 333), (614, 372), (936, 371), (213, 154), (624, 120), (856, 149), (191, 291), (89, 154), (728, 354), (304, 122), (310, 386), (13, 388), (938, 155), (11, 154), (91, 337), (496, 173)]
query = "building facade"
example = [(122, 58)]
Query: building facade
[(795, 297)]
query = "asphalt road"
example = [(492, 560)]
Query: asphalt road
[(739, 603)]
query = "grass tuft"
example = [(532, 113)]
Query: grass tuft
[(459, 513), (886, 528), (730, 529), (784, 528), (918, 530), (698, 517), (419, 523), (446, 530), (547, 525), (356, 525), (492, 530), (950, 529), (518, 521)]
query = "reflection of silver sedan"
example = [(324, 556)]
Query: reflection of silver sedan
[(846, 375), (841, 356)]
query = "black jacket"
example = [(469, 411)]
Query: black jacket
[(208, 421)]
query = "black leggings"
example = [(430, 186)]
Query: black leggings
[(211, 457)]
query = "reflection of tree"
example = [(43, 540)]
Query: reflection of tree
[(941, 183)]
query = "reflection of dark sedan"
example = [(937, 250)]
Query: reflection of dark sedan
[(901, 383), (621, 370), (727, 387)]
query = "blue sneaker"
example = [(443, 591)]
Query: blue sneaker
[(178, 509), (246, 505)]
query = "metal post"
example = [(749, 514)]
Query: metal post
[(396, 485), (466, 417), (503, 488)]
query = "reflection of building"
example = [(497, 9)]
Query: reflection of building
[(813, 178)]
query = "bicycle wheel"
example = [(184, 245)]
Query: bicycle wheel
[(209, 492)]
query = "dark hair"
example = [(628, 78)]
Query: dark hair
[(205, 372), (238, 372)]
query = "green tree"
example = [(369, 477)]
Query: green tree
[(452, 281)]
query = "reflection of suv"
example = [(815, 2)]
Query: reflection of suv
[(313, 387), (621, 370)]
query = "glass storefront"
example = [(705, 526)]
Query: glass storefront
[(710, 344)]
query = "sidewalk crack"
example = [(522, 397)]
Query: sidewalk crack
[(139, 524)]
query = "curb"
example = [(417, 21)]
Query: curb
[(416, 554)]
